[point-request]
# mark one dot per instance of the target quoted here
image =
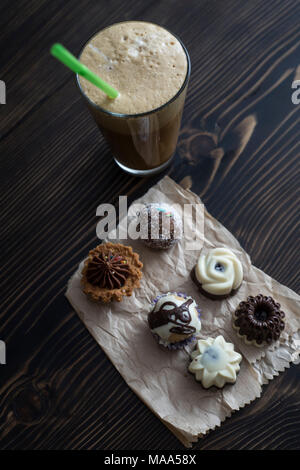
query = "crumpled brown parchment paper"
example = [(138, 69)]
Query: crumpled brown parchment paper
[(160, 378)]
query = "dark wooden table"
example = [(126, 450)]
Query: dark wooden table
[(238, 150)]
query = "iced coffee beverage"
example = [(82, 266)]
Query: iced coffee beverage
[(150, 68)]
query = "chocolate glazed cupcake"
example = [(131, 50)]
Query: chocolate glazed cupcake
[(259, 320), (174, 320)]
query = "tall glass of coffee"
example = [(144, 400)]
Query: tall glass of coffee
[(150, 68)]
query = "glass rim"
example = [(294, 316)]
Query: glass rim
[(145, 113)]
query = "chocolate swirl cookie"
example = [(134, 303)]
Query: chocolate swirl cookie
[(259, 320), (110, 272)]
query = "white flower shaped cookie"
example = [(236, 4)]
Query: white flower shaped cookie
[(219, 272), (215, 362)]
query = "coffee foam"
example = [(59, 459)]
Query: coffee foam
[(143, 61)]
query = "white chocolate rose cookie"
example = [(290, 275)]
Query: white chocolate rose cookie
[(215, 362), (219, 273)]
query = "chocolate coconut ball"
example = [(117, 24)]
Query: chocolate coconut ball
[(160, 226)]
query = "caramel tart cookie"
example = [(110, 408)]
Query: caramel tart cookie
[(110, 272)]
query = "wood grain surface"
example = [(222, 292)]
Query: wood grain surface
[(238, 149)]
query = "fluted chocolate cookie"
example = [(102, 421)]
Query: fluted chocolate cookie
[(259, 320)]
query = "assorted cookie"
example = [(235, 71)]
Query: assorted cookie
[(113, 270), (110, 272), (259, 320), (160, 226), (218, 274), (174, 319), (215, 362)]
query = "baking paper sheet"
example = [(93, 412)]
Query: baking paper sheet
[(159, 377)]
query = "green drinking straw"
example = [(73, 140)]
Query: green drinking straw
[(62, 54)]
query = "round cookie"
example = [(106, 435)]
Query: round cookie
[(160, 226), (218, 274), (259, 320), (110, 272), (174, 319)]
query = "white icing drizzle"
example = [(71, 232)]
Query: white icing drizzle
[(215, 362), (219, 271)]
